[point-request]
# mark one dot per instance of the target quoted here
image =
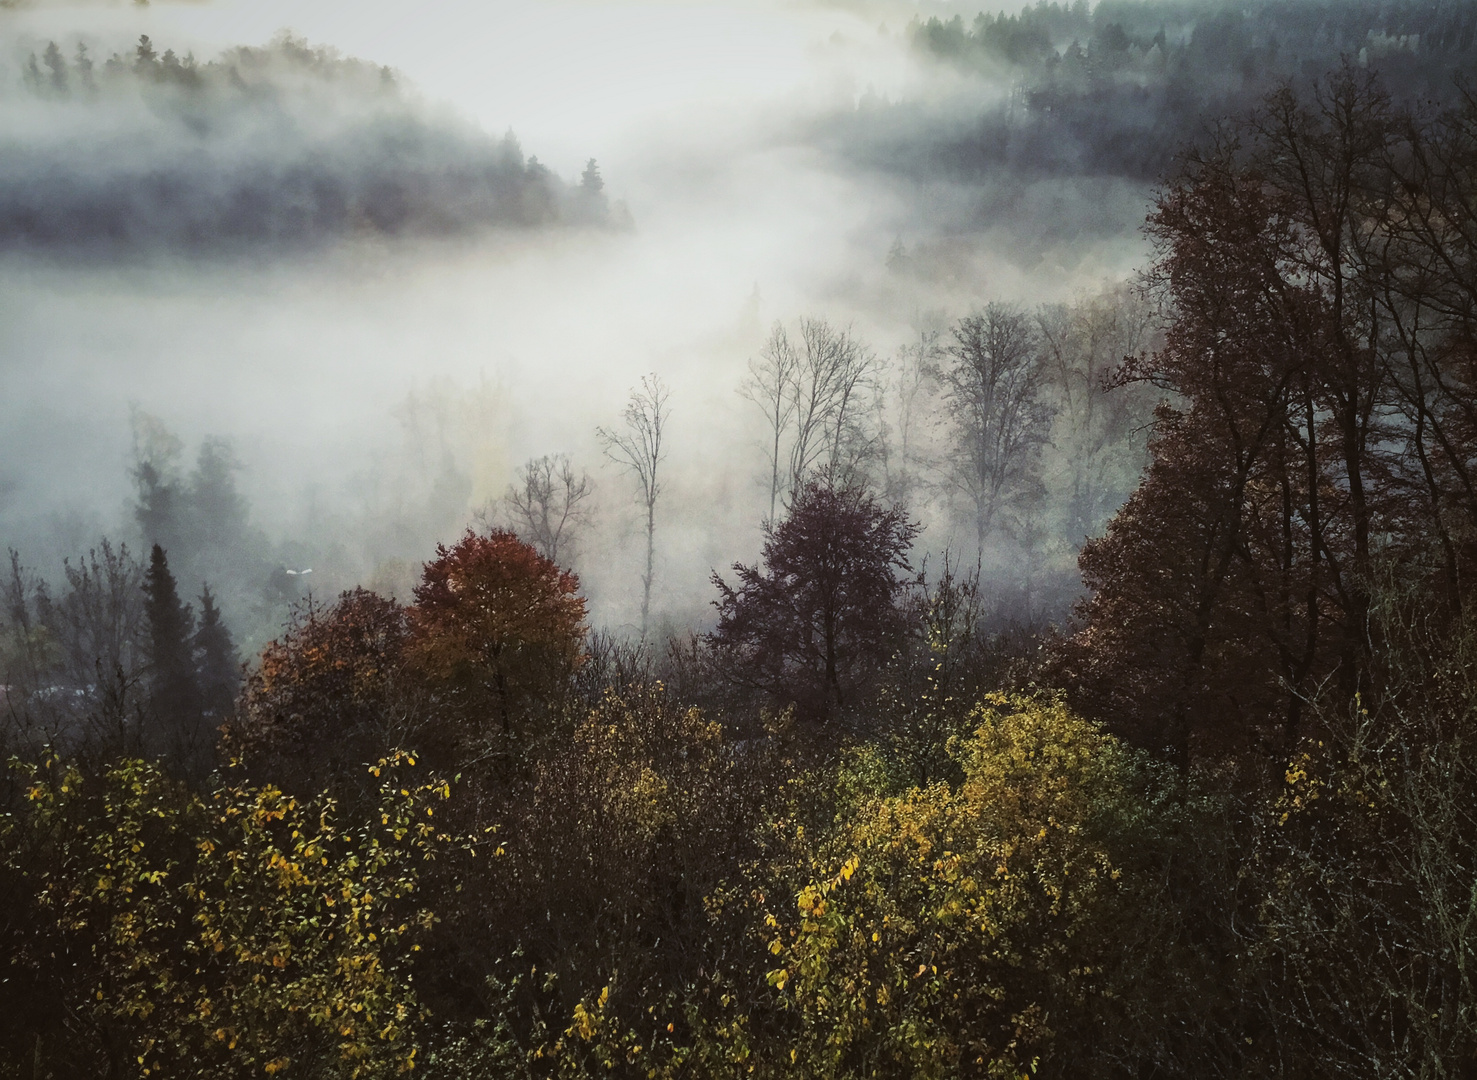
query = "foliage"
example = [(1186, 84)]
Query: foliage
[(1317, 414), (240, 934), (823, 614), (962, 926), (329, 693), (496, 627), (1366, 928)]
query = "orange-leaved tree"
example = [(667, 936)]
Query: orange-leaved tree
[(330, 693), (496, 627)]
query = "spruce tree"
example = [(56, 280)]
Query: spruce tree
[(215, 660), (174, 693)]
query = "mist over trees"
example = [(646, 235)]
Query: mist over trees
[(1096, 700), (285, 146), (1117, 87)]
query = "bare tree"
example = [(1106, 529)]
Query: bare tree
[(994, 379), (76, 666), (903, 416), (832, 383), (1082, 345), (638, 449), (770, 386), (817, 392), (547, 504)]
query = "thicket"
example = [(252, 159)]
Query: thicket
[(1221, 825)]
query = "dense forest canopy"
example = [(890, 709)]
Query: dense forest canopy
[(1094, 700), (283, 145), (1117, 87)]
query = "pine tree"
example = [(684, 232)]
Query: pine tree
[(217, 672), (174, 693)]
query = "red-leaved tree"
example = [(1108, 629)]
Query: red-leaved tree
[(823, 613), (496, 628)]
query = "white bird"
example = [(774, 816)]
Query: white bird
[(295, 573)]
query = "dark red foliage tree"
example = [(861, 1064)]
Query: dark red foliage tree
[(823, 614), (1316, 366), (497, 628)]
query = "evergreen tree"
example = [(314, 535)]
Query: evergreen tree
[(174, 692), (590, 181), (157, 509), (217, 671), (217, 510), (56, 64)]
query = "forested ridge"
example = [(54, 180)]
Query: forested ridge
[(886, 818), (284, 146)]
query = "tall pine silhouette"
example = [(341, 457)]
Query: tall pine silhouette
[(174, 691), (215, 658)]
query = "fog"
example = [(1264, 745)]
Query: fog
[(381, 374)]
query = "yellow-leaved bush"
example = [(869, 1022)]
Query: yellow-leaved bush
[(958, 922), (243, 933)]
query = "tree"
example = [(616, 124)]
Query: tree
[(959, 930), (497, 627), (590, 182), (331, 692), (994, 381), (769, 386), (160, 506), (56, 64), (907, 410), (547, 504), (174, 692), (217, 511), (1233, 581), (217, 669), (77, 664), (146, 60), (242, 933), (816, 394), (639, 450), (822, 614), (1097, 422)]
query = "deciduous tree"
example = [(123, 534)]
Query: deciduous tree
[(497, 627), (820, 616), (639, 450), (547, 505), (995, 380)]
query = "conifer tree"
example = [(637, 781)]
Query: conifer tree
[(174, 693), (216, 668)]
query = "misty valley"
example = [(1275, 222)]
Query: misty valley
[(753, 538)]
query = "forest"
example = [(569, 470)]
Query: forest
[(1160, 768), (286, 145)]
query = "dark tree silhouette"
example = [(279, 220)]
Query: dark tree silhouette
[(1318, 353), (174, 692), (823, 612), (217, 668)]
